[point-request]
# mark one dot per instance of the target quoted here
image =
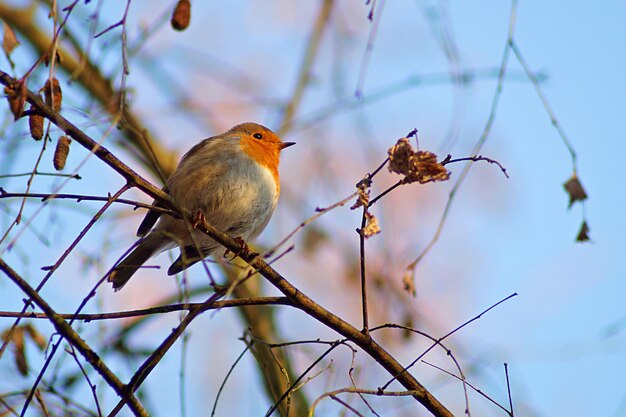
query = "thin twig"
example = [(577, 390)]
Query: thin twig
[(508, 389), (478, 390), (478, 316), (148, 365), (303, 302), (87, 317), (436, 342), (481, 141), (345, 404), (449, 160), (92, 387), (79, 198), (55, 347), (230, 371), (319, 213), (43, 174), (362, 273), (52, 269), (377, 392), (544, 100), (297, 381), (367, 54), (69, 334)]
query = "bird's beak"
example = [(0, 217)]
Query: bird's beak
[(284, 145)]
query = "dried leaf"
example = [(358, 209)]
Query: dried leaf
[(39, 339), (583, 233), (416, 166), (9, 40), (60, 153), (575, 190), (17, 339), (53, 93), (408, 280), (371, 226), (182, 15), (19, 350), (16, 95), (363, 197)]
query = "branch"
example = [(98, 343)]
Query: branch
[(154, 156), (80, 197), (86, 317), (156, 356), (300, 300), (448, 160), (481, 141), (67, 332)]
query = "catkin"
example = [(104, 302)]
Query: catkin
[(182, 15), (53, 93), (35, 123), (60, 153)]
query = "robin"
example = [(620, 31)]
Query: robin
[(232, 179)]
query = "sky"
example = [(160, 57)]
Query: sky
[(563, 336)]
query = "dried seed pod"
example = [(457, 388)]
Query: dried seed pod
[(54, 96), (182, 15), (60, 153), (35, 123)]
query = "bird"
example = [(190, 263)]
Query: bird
[(230, 179)]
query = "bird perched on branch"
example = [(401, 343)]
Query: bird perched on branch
[(231, 179)]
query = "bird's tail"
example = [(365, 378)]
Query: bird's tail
[(147, 247)]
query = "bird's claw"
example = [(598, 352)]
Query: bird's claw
[(243, 251), (197, 219)]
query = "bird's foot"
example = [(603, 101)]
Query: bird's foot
[(197, 219), (244, 250)]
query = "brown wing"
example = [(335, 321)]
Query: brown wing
[(150, 219), (152, 216)]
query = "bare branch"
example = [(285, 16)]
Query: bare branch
[(66, 331)]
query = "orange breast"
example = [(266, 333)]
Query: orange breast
[(265, 154)]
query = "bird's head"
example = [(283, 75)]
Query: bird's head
[(260, 144)]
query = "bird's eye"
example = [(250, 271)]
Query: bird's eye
[(257, 136)]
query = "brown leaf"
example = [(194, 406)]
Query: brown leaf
[(39, 339), (583, 233), (575, 190), (16, 95), (17, 339), (362, 199), (416, 166), (371, 227), (408, 280), (182, 15), (9, 40), (19, 350)]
